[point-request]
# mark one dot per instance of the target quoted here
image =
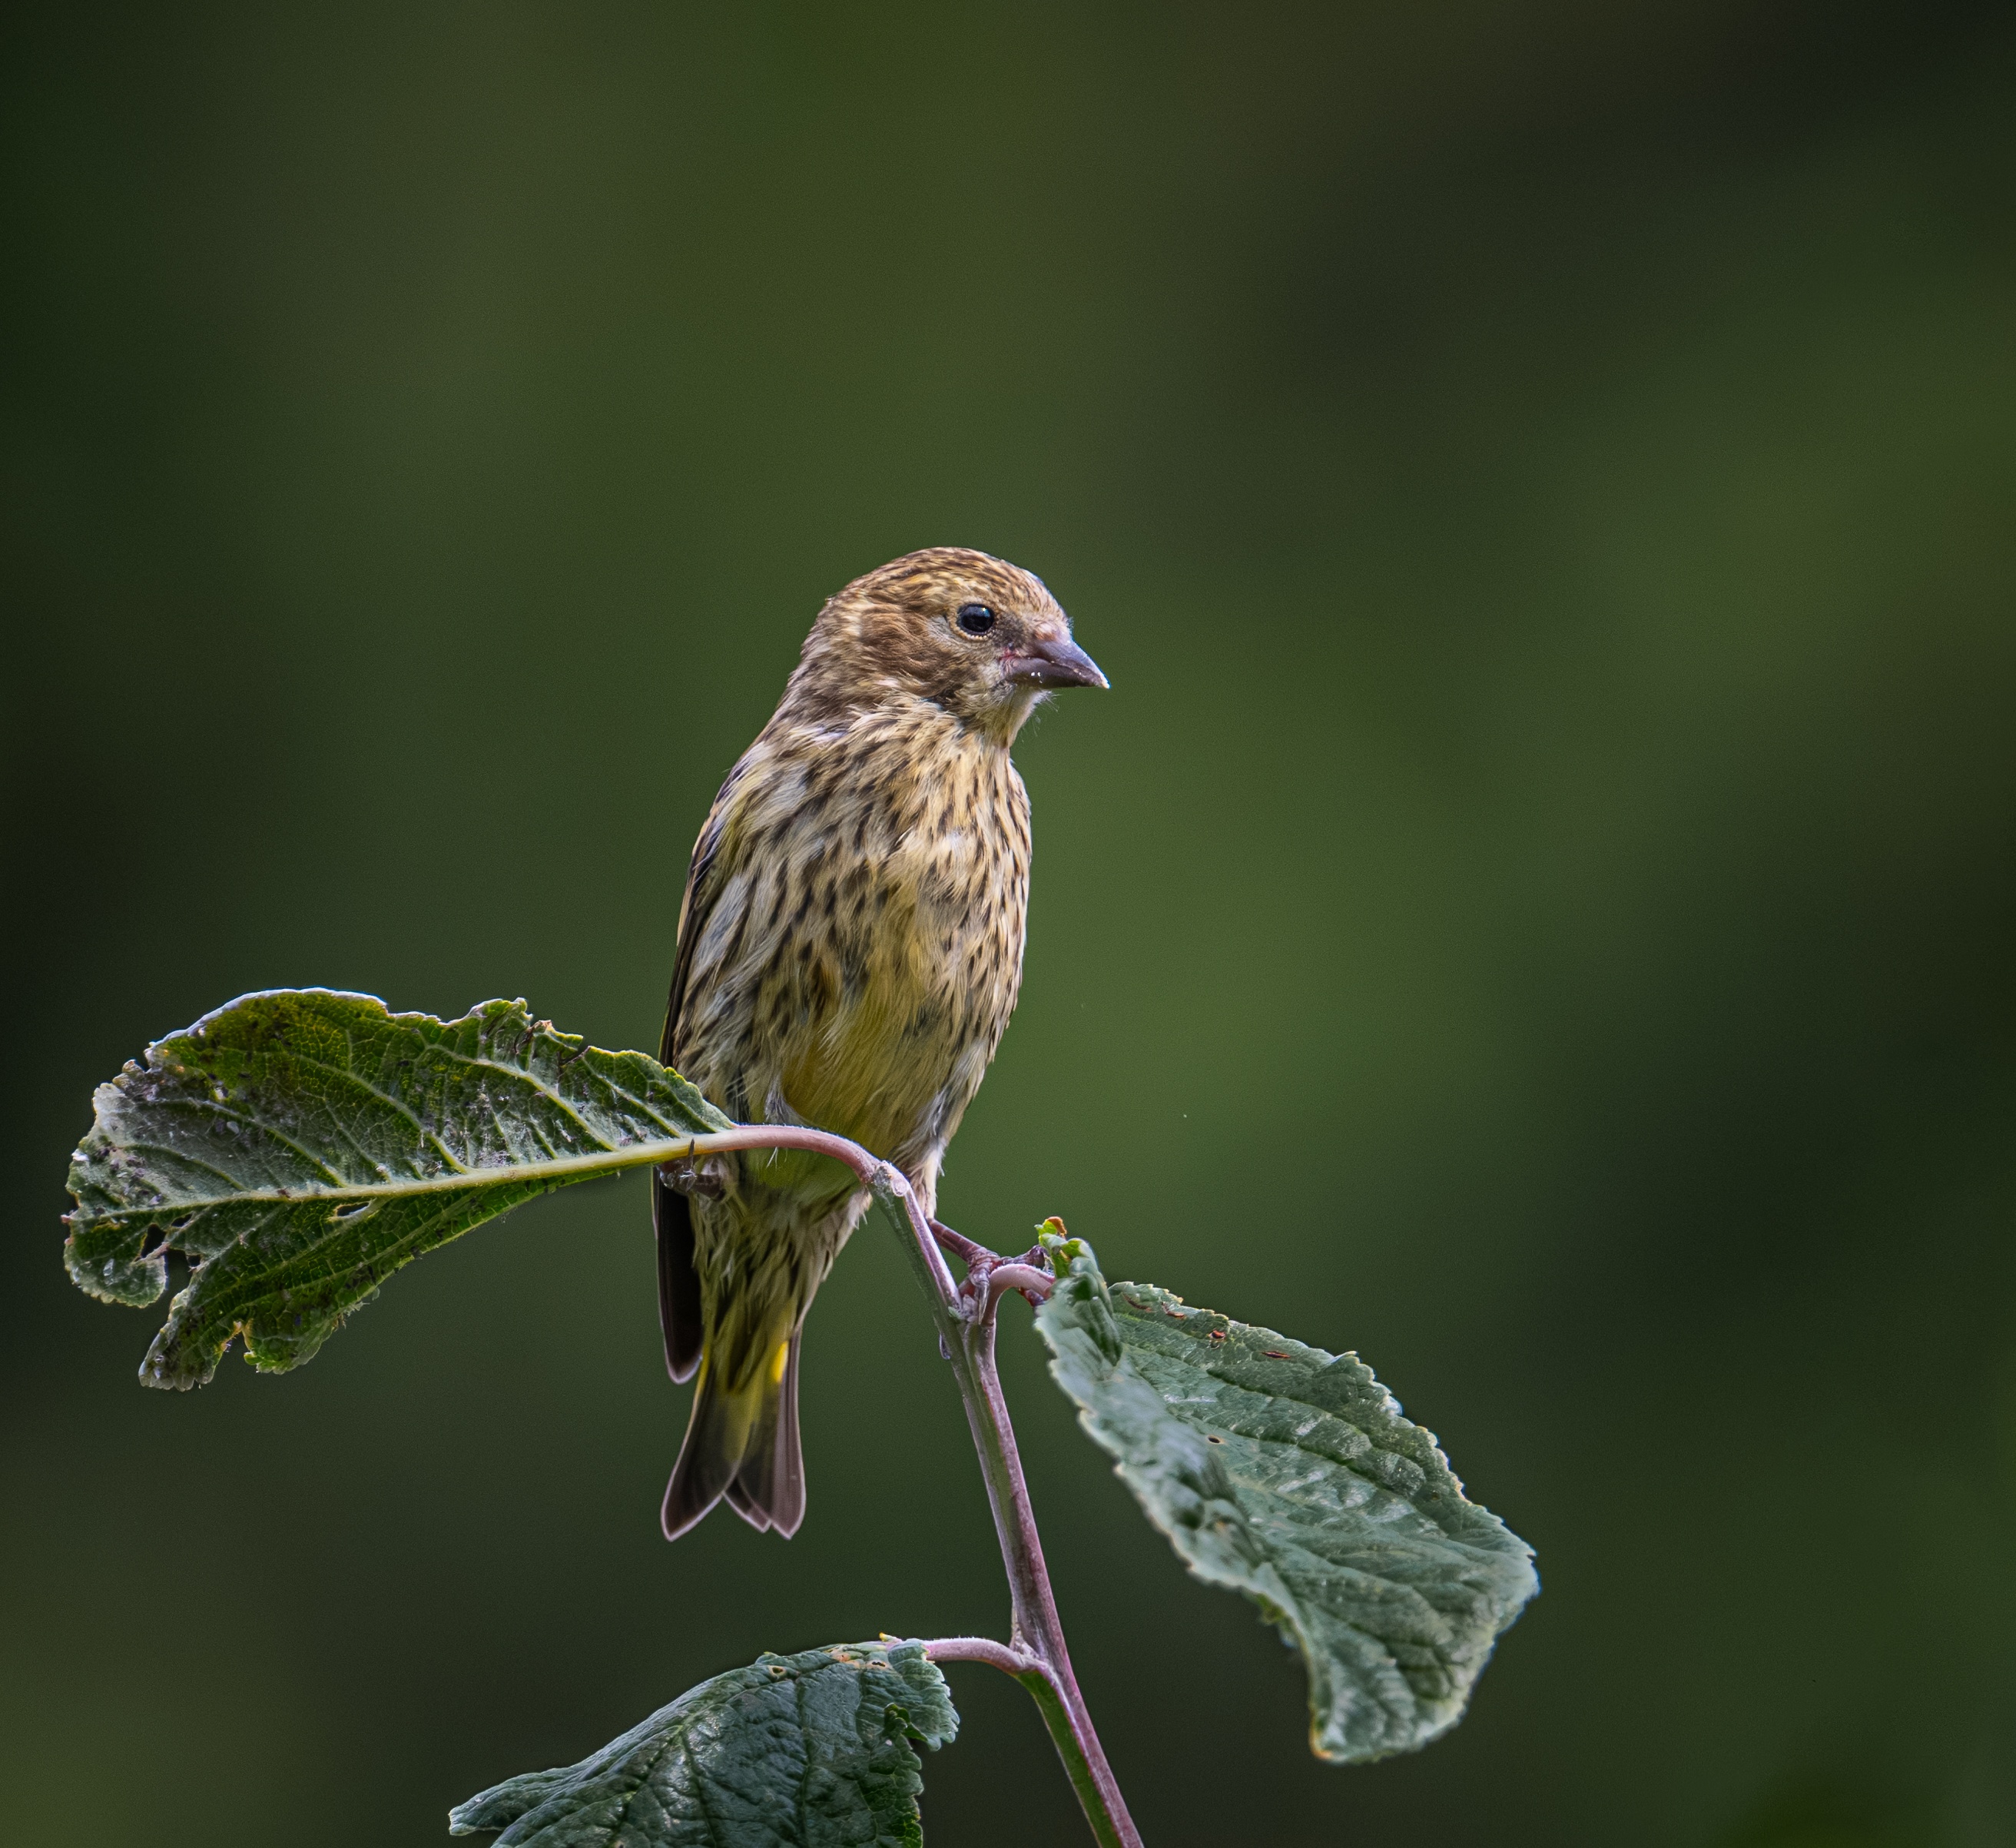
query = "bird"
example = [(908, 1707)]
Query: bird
[(849, 952)]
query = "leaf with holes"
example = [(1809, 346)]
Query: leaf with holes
[(301, 1145), (1288, 1473), (813, 1748)]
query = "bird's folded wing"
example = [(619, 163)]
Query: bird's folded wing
[(672, 1212)]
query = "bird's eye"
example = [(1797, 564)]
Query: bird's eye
[(976, 619)]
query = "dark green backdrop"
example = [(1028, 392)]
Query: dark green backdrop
[(1536, 907)]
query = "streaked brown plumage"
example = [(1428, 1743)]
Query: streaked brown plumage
[(850, 949)]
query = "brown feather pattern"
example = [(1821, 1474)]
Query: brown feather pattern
[(850, 951)]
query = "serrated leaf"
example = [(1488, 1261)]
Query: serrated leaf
[(303, 1144), (811, 1750), (1288, 1473)]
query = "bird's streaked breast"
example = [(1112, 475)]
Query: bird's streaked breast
[(864, 951)]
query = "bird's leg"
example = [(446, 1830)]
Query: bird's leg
[(989, 1276), (959, 1245), (979, 1262)]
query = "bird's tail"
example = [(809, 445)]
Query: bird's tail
[(742, 1442)]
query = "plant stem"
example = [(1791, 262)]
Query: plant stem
[(966, 1330), (1012, 1663), (1025, 1277), (1035, 1625), (965, 1320)]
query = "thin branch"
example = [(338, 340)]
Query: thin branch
[(966, 1333), (983, 1648), (1034, 1283), (893, 1190), (1036, 1656), (965, 1336), (967, 1340), (563, 1168)]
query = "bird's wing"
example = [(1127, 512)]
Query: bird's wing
[(672, 1212)]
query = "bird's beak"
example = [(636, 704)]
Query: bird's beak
[(1056, 662)]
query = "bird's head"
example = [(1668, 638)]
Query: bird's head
[(976, 636)]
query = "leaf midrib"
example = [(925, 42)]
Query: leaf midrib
[(629, 1155), (348, 1074)]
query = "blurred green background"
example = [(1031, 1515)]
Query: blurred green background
[(1536, 908)]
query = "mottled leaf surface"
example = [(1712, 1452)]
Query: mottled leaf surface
[(300, 1145), (1288, 1473), (810, 1751)]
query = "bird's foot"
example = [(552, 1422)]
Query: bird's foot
[(989, 1276), (706, 1178)]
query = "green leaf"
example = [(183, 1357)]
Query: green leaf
[(301, 1145), (810, 1750), (1288, 1473)]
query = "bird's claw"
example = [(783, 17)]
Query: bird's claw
[(706, 1178)]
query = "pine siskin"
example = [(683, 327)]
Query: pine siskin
[(849, 948)]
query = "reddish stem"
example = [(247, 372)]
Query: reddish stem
[(965, 1321), (981, 1648), (1034, 1284)]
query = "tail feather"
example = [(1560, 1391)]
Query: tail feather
[(737, 1497), (770, 1488), (679, 1282), (741, 1444), (717, 1435)]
